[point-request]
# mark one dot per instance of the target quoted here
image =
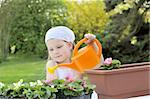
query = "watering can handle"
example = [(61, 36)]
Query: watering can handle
[(75, 51)]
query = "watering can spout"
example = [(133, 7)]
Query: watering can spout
[(73, 66), (52, 69), (70, 65)]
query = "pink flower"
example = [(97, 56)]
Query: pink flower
[(108, 61), (84, 84), (47, 81), (69, 77)]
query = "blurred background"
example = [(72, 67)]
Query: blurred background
[(122, 26)]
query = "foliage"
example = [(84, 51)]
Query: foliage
[(31, 25), (127, 33), (110, 64), (6, 20), (29, 90), (31, 19), (40, 90), (116, 23), (142, 8), (72, 87), (86, 17)]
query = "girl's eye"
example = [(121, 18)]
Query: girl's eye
[(59, 46), (51, 49)]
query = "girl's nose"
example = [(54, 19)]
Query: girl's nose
[(55, 51)]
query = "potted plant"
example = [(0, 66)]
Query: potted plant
[(31, 90), (70, 89), (57, 89), (115, 81)]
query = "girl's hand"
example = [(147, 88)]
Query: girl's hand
[(90, 38)]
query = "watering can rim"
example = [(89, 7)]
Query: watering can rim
[(75, 51)]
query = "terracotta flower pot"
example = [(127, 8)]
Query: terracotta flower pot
[(130, 80)]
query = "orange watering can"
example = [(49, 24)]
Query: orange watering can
[(87, 58)]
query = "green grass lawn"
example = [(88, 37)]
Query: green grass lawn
[(28, 68)]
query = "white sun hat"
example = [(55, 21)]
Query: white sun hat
[(61, 33)]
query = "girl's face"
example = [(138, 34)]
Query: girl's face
[(59, 50)]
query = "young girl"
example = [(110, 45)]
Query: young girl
[(60, 41)]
